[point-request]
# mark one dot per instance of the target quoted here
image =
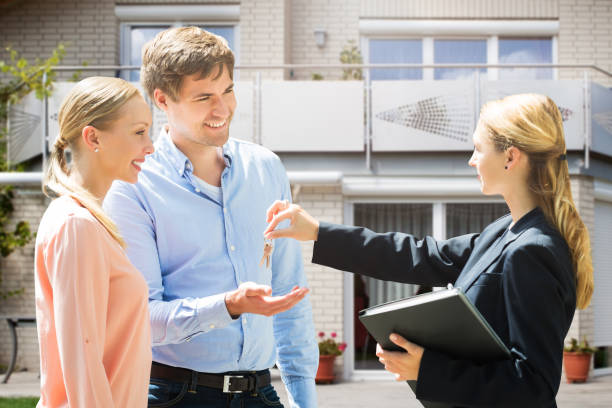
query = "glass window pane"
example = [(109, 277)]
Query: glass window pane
[(139, 36), (472, 217), (459, 52), (525, 51), (415, 219), (396, 52)]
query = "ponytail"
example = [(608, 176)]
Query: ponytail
[(559, 208), (533, 124)]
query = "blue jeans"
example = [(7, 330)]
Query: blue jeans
[(166, 393)]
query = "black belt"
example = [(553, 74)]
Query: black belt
[(231, 382)]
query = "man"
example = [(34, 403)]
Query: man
[(194, 227)]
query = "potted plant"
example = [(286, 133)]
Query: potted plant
[(577, 360), (329, 348)]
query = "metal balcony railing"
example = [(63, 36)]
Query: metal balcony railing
[(366, 115)]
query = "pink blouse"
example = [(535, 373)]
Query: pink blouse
[(91, 312)]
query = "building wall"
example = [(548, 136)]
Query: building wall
[(326, 284), (18, 273), (340, 20), (586, 37), (263, 25), (466, 9), (88, 29)]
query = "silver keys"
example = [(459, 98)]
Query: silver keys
[(267, 251)]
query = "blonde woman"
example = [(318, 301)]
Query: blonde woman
[(526, 272), (91, 303)]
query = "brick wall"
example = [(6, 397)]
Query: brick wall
[(340, 20), (326, 284), (17, 273), (88, 29), (586, 37), (263, 36)]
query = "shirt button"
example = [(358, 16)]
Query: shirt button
[(212, 326), (224, 210), (244, 319), (197, 190), (233, 248)]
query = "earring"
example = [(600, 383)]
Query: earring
[(505, 167), (96, 150)]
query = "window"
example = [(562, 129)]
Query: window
[(139, 35), (396, 52), (491, 50), (459, 52), (525, 51)]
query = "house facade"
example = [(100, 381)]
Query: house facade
[(386, 148)]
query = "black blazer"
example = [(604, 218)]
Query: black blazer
[(522, 281)]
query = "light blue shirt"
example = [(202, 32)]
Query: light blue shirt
[(193, 246)]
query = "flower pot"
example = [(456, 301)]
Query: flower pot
[(577, 366), (325, 372)]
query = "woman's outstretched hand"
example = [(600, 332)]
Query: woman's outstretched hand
[(302, 226)]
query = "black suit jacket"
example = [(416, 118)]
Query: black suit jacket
[(522, 281)]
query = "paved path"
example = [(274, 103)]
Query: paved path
[(597, 393)]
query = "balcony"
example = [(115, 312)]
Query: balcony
[(360, 117)]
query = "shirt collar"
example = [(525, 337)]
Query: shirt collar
[(179, 161), (228, 153)]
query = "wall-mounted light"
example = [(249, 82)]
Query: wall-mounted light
[(320, 36)]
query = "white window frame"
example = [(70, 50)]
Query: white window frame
[(439, 232), (430, 30), (175, 16)]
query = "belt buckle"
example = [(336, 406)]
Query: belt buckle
[(226, 384)]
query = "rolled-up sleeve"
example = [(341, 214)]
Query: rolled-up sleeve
[(174, 321)]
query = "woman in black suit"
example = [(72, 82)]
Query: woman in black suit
[(526, 272)]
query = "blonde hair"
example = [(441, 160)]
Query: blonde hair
[(177, 52), (95, 101), (533, 124)]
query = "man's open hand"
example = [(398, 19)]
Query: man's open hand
[(251, 297)]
